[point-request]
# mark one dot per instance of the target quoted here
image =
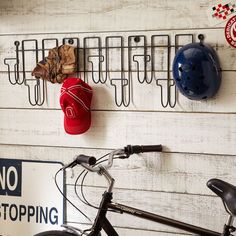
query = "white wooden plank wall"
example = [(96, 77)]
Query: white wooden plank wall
[(198, 137)]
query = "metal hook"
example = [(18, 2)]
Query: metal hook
[(177, 46), (16, 67), (123, 84), (120, 50), (146, 58), (99, 56), (168, 93), (177, 36), (39, 97), (137, 59)]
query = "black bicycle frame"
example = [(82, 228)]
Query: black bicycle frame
[(160, 219), (101, 222)]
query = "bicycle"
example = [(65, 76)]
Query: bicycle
[(224, 190)]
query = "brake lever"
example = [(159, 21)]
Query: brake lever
[(116, 153), (90, 168), (119, 153), (124, 156)]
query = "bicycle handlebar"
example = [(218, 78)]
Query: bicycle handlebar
[(88, 161), (136, 149), (82, 159)]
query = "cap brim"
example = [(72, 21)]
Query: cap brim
[(78, 125)]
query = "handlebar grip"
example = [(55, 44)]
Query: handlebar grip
[(90, 160), (142, 148), (152, 148)]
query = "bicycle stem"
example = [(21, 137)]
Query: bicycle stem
[(109, 178)]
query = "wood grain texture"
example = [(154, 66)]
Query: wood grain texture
[(64, 16), (114, 129), (166, 172), (198, 137)]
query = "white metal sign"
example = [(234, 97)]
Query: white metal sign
[(29, 199)]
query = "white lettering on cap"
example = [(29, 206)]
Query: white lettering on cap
[(70, 113)]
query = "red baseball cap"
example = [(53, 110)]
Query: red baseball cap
[(75, 101)]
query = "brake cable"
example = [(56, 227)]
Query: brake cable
[(82, 183), (55, 180)]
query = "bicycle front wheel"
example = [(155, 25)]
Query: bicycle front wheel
[(55, 233)]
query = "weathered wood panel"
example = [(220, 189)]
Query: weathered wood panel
[(178, 132), (171, 183), (114, 15), (168, 172)]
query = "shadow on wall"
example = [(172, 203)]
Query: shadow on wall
[(98, 124)]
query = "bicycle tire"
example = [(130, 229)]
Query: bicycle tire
[(55, 233)]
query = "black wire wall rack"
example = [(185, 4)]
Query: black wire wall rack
[(118, 61)]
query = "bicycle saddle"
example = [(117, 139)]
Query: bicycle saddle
[(226, 191)]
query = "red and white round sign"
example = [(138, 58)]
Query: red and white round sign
[(230, 31)]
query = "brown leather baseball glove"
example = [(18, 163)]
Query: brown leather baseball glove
[(60, 63)]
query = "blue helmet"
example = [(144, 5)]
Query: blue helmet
[(196, 71)]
